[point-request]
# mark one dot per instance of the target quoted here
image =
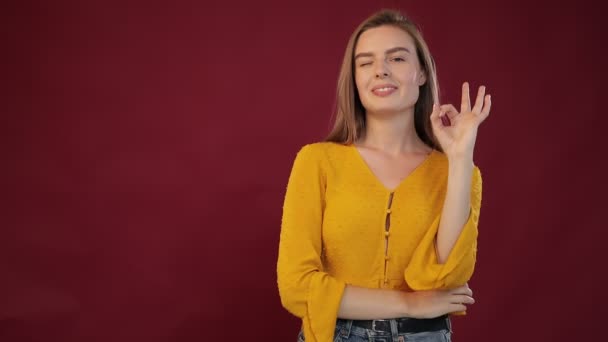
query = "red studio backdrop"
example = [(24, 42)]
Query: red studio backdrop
[(146, 149)]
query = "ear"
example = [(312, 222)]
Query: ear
[(421, 78)]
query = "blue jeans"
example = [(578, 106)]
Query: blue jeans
[(346, 332)]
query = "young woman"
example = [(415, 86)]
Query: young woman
[(379, 228)]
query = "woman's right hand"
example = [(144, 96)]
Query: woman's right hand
[(435, 303)]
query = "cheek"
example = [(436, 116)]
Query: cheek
[(360, 84), (359, 80), (418, 78)]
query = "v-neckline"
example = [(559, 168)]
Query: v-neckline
[(378, 181)]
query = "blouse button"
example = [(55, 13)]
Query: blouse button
[(388, 211)]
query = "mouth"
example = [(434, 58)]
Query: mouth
[(383, 91)]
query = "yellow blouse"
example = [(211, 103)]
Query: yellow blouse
[(341, 226)]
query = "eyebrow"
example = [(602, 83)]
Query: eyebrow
[(388, 52)]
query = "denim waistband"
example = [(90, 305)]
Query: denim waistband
[(398, 326)]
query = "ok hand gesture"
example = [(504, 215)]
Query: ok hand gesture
[(456, 131)]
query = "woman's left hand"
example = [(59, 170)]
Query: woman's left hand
[(456, 132)]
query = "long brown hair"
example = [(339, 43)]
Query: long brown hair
[(350, 114)]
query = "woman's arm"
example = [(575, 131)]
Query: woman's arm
[(457, 206), (457, 133), (364, 303), (446, 256), (425, 271)]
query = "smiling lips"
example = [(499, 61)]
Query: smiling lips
[(384, 90)]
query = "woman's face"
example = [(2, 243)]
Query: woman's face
[(387, 70)]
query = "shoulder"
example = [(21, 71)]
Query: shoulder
[(323, 155), (323, 147), (323, 150)]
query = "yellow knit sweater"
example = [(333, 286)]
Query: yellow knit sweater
[(341, 226)]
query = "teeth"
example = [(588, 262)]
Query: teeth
[(384, 89)]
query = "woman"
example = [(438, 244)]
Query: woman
[(379, 228)]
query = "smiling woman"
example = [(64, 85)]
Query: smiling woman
[(379, 228), (400, 62)]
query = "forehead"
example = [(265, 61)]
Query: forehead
[(379, 39)]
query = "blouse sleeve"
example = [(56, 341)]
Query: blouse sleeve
[(425, 273), (305, 289)]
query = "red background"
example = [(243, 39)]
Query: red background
[(146, 148)]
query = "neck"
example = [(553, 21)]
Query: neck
[(394, 134)]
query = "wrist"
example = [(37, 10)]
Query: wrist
[(457, 154), (461, 163), (462, 159)]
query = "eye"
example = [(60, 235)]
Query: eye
[(398, 59), (365, 64)]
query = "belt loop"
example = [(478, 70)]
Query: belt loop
[(394, 330), (447, 318), (345, 328)]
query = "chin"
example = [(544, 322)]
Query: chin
[(386, 109)]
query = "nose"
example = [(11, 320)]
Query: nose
[(382, 70)]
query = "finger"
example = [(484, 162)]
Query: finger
[(465, 103), (459, 289), (479, 100), (457, 307), (435, 116), (463, 299), (470, 289), (487, 105), (462, 290), (449, 110), (435, 112)]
